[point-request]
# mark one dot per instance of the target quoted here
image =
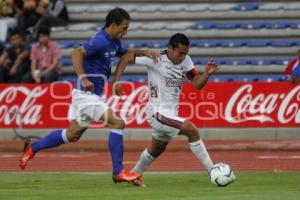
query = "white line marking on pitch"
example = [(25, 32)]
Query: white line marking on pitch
[(279, 157)]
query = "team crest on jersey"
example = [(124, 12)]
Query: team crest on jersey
[(173, 82)]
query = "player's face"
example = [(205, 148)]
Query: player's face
[(120, 30), (177, 55)]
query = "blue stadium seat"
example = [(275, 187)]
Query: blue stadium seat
[(66, 44), (203, 25), (66, 61), (259, 43), (158, 44), (285, 43), (247, 7), (254, 25), (227, 25)]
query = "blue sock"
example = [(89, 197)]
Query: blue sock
[(116, 148), (53, 139)]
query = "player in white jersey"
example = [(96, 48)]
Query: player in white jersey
[(165, 80)]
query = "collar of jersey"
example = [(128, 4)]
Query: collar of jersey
[(105, 33)]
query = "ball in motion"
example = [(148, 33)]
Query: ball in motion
[(221, 174)]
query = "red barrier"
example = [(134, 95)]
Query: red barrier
[(274, 104)]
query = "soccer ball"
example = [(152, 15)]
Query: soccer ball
[(221, 174)]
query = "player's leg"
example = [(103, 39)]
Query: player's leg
[(53, 139), (116, 146), (148, 156), (146, 159), (196, 144)]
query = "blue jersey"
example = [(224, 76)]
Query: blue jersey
[(101, 50)]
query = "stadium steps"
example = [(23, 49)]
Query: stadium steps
[(196, 34), (220, 51)]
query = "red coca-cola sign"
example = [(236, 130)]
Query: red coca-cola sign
[(275, 104)]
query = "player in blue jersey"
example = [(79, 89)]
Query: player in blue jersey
[(92, 63)]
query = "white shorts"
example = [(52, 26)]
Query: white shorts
[(86, 107), (165, 126)]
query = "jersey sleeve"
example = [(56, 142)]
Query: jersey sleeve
[(93, 46), (144, 61), (191, 70), (121, 49)]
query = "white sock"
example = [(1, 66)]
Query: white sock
[(199, 150), (144, 162)]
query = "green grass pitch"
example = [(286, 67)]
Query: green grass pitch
[(181, 186)]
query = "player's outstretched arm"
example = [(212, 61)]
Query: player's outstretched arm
[(123, 62), (153, 54), (200, 80), (77, 59)]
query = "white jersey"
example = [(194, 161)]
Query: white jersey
[(165, 81)]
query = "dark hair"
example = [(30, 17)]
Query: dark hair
[(43, 30), (177, 39), (116, 15), (15, 31)]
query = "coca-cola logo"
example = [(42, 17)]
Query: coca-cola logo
[(28, 112), (132, 107), (243, 106)]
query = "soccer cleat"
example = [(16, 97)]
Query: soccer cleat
[(126, 176), (138, 182), (27, 155)]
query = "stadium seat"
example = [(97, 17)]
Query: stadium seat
[(136, 44), (179, 25), (66, 62), (197, 7), (292, 6), (66, 44), (271, 6), (172, 8), (222, 7), (203, 25), (154, 26), (83, 27), (158, 44), (136, 25), (77, 8), (259, 43), (100, 8), (285, 43), (246, 7), (149, 8)]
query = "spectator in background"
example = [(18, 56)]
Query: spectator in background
[(31, 13), (9, 9), (56, 14), (14, 61), (293, 68), (45, 60)]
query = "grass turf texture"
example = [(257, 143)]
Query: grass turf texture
[(46, 186)]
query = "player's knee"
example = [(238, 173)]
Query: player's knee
[(190, 130), (73, 137)]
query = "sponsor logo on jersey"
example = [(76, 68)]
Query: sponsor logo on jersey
[(173, 82)]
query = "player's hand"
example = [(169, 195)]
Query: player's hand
[(118, 90), (211, 67), (87, 85), (155, 55)]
